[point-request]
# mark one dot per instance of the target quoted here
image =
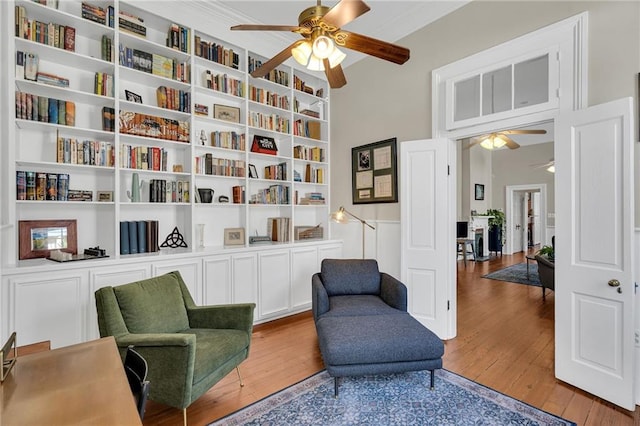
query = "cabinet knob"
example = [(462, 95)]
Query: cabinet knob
[(614, 283)]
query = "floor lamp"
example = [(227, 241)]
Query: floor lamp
[(340, 216)]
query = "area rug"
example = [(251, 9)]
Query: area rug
[(517, 274), (394, 399)]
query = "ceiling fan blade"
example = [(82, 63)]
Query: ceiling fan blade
[(259, 27), (335, 75), (524, 132), (275, 61), (344, 12), (378, 48), (473, 142), (511, 144)]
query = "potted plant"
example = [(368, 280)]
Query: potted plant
[(548, 252), (496, 229)]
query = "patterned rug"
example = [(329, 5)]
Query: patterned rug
[(517, 274), (394, 399)]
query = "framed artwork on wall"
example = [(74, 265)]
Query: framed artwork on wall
[(374, 172), (479, 191)]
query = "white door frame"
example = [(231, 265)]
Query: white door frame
[(509, 212)]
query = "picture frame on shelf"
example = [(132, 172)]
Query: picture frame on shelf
[(132, 97), (253, 172), (37, 238), (374, 172), (234, 236), (226, 113), (105, 196), (479, 191)]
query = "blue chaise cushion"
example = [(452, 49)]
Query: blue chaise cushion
[(350, 276)]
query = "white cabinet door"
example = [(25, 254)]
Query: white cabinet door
[(48, 306), (245, 278), (304, 263), (217, 284), (329, 251), (273, 266), (110, 276), (190, 270)]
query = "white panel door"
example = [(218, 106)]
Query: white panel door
[(217, 286), (245, 277), (428, 233), (594, 225), (274, 291), (190, 270), (304, 263)]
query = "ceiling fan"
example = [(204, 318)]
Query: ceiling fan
[(550, 166), (499, 139), (320, 28)]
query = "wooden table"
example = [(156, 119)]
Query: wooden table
[(79, 384), (462, 244)]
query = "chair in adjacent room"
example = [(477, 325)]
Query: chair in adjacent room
[(188, 348), (135, 366), (546, 273)]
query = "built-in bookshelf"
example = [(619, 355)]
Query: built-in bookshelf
[(108, 94)]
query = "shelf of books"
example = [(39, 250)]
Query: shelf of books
[(141, 124)]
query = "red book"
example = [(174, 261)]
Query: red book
[(70, 39)]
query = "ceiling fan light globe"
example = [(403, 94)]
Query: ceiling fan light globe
[(315, 64), (551, 168), (336, 57), (498, 142), (322, 47), (302, 53), (487, 144)]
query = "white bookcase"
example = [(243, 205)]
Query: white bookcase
[(274, 275)]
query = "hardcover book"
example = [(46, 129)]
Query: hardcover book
[(264, 145)]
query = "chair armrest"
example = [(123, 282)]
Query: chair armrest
[(319, 297), (393, 292), (156, 339), (237, 316)]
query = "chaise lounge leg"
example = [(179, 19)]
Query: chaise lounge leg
[(335, 387), (432, 380), (239, 377)]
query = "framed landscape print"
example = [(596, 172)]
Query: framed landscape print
[(374, 172)]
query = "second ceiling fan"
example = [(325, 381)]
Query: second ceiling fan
[(320, 27), (499, 139)]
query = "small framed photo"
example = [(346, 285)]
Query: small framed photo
[(226, 113), (132, 97), (38, 237), (479, 191), (253, 172), (234, 236), (105, 196)]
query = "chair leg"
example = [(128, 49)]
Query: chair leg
[(335, 387), (184, 416), (433, 386), (239, 377)]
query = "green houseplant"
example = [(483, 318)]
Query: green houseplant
[(548, 252), (498, 222)]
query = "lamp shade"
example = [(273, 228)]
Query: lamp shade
[(322, 47), (336, 57), (339, 216), (315, 64), (302, 53)]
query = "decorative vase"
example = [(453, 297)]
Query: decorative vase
[(136, 186)]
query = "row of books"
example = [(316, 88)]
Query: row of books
[(278, 228), (98, 14), (179, 38), (131, 23), (309, 112), (209, 165), (307, 128), (41, 186), (49, 33), (166, 191), (310, 153), (174, 99), (268, 97), (27, 65), (312, 174), (143, 157), (52, 79), (134, 123), (155, 64), (276, 172), (217, 53), (108, 119), (107, 52), (48, 110), (103, 84), (139, 236), (272, 122), (228, 140), (87, 152), (274, 194), (276, 76), (311, 198), (299, 84), (238, 194), (224, 83)]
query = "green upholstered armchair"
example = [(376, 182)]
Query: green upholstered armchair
[(188, 348)]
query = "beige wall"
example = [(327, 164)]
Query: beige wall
[(383, 100)]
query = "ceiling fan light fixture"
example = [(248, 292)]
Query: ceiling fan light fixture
[(487, 144), (315, 64), (498, 142), (336, 57), (551, 168), (302, 53), (493, 142), (323, 47)]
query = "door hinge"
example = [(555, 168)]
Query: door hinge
[(448, 170), (635, 288), (448, 305)]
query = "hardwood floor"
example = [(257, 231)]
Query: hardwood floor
[(505, 341)]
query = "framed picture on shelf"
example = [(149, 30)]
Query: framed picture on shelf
[(253, 172), (479, 191), (226, 113), (233, 236), (38, 237), (374, 172), (132, 97)]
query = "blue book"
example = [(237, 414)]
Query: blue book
[(53, 110), (142, 236), (133, 237), (124, 237)]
